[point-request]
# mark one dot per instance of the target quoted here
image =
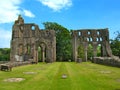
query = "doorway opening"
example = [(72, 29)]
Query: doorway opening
[(80, 52), (41, 53), (99, 48), (90, 52)]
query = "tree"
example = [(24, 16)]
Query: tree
[(4, 54), (115, 44), (90, 51), (63, 40), (81, 52)]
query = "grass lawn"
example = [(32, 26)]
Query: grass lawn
[(80, 76)]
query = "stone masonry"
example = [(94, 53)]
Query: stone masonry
[(94, 37), (27, 37)]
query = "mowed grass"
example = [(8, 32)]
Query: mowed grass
[(80, 76)]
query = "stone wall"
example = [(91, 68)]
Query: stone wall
[(27, 37), (84, 37), (111, 61)]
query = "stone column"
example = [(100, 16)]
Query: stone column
[(94, 50), (103, 50), (54, 49), (43, 54), (54, 53), (48, 55), (74, 47), (85, 45), (85, 54)]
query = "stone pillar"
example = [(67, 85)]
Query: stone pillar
[(74, 47), (85, 45), (94, 50), (43, 54), (48, 55), (35, 53), (103, 50), (54, 53), (35, 56), (54, 49), (85, 51)]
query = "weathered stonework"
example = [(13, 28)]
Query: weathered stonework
[(112, 61), (27, 37), (94, 37)]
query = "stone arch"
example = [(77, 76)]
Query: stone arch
[(43, 47), (90, 51)]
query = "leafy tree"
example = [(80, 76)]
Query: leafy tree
[(99, 51), (63, 40), (115, 44), (90, 51), (81, 52), (4, 54)]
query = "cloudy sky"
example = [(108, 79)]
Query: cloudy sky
[(72, 14)]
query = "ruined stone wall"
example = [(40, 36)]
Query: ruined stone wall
[(27, 37), (94, 37), (111, 61)]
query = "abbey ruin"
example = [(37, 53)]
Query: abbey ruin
[(94, 37), (27, 38)]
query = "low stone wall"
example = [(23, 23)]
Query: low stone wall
[(15, 64), (112, 61)]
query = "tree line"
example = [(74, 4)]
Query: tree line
[(64, 46), (4, 54)]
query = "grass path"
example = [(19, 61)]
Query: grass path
[(58, 82), (83, 76)]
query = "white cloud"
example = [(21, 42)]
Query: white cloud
[(5, 37), (56, 5), (28, 13), (10, 9)]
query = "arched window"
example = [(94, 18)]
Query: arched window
[(88, 32), (91, 39), (33, 27), (88, 39), (79, 33), (97, 39), (100, 39), (98, 33)]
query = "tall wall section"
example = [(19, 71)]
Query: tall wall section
[(27, 37)]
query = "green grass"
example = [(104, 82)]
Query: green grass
[(82, 76)]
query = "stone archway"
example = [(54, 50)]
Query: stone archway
[(42, 52)]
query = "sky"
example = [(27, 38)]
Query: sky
[(72, 14)]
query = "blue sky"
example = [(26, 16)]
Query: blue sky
[(72, 14)]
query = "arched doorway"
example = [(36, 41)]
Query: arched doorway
[(41, 50), (39, 54), (90, 52), (99, 49), (80, 52)]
